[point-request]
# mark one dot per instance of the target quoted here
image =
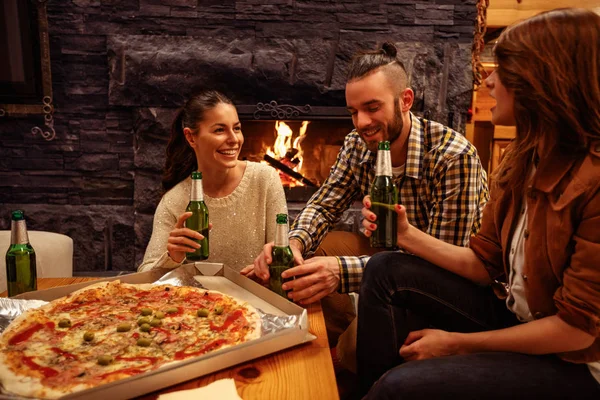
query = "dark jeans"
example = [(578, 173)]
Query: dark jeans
[(401, 293)]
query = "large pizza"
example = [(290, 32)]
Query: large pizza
[(113, 330)]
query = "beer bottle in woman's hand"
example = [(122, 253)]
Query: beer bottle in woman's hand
[(199, 220), (384, 195)]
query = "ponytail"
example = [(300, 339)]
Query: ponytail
[(181, 160)]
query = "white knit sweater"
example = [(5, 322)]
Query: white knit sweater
[(242, 222)]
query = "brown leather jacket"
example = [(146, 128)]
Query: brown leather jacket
[(562, 247)]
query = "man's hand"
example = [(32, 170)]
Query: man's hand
[(315, 279), (430, 343), (259, 271), (248, 272)]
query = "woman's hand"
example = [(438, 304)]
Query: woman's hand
[(183, 240), (369, 217), (369, 224), (430, 343), (403, 224)]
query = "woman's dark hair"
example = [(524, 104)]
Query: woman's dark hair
[(385, 58), (551, 62), (181, 159)]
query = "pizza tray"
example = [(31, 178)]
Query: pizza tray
[(214, 276)]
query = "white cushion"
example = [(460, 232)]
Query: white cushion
[(53, 253)]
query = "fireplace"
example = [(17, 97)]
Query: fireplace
[(302, 142), (301, 145)]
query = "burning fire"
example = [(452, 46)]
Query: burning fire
[(288, 152)]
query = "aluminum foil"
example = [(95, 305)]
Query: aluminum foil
[(271, 323), (12, 308), (179, 277)]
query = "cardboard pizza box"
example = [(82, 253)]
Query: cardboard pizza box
[(213, 276)]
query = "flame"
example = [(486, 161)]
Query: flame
[(283, 143), (284, 138), (298, 142)]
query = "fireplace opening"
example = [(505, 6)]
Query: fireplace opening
[(303, 151)]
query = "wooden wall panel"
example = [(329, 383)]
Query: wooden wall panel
[(505, 12)]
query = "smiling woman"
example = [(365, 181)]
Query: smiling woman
[(243, 197), (539, 243)]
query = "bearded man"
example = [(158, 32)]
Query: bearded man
[(439, 178)]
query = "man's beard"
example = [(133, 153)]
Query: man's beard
[(394, 129)]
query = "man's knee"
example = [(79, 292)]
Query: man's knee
[(338, 311), (341, 243), (346, 347)]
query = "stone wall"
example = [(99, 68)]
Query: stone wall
[(121, 67)]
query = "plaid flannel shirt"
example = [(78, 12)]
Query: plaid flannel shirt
[(444, 189)]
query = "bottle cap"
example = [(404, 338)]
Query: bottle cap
[(383, 145), (18, 215), (281, 218), (196, 175)]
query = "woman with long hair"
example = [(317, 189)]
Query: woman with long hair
[(242, 197), (517, 313)]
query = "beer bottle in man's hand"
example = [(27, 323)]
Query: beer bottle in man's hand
[(199, 220), (282, 255), (21, 272), (384, 195)]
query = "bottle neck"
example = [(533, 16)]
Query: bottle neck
[(197, 193), (383, 167), (281, 236), (18, 232)]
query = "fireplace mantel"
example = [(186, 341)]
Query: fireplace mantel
[(272, 110)]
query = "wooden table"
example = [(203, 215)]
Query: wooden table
[(301, 372)]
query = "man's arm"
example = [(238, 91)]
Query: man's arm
[(326, 206), (458, 195), (348, 179), (351, 272)]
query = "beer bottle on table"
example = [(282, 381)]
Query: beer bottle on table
[(282, 256), (199, 220), (21, 272), (384, 195)]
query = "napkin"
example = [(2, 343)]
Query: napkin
[(223, 389)]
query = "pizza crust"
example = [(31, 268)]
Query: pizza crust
[(93, 286), (29, 386)]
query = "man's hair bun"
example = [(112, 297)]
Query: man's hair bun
[(389, 49)]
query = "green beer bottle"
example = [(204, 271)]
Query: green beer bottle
[(199, 220), (384, 195), (282, 255), (21, 272)]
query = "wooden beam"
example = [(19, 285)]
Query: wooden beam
[(505, 12)]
